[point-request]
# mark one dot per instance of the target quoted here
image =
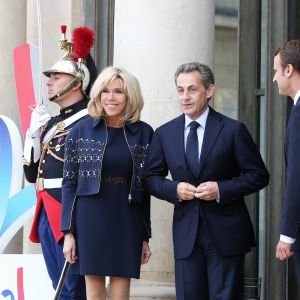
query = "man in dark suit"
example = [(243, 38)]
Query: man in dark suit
[(287, 77), (213, 163)]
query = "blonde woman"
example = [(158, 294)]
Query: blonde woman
[(105, 210)]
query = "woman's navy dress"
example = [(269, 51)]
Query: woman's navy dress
[(109, 230)]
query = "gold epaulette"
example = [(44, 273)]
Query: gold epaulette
[(61, 133)]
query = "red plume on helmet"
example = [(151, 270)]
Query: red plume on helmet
[(77, 60), (83, 41)]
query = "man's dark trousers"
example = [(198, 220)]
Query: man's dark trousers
[(206, 268)]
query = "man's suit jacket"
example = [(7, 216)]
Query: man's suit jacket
[(228, 156), (290, 218)]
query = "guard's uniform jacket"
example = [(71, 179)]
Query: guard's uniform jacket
[(47, 173), (85, 149)]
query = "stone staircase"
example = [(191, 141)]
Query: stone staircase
[(146, 290)]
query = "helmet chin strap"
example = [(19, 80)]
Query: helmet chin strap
[(66, 89)]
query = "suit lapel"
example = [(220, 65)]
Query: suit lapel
[(178, 137), (213, 127), (286, 140), (178, 144)]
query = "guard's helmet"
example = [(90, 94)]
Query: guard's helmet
[(76, 60)]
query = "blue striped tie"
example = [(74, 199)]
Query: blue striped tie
[(192, 149)]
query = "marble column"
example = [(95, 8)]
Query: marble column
[(151, 38)]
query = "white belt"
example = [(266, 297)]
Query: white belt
[(51, 183)]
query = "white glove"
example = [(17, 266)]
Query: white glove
[(30, 143), (39, 118)]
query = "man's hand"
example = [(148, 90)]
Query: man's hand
[(146, 253), (70, 248), (207, 191), (283, 250), (185, 191)]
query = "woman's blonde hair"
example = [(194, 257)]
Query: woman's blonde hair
[(131, 89)]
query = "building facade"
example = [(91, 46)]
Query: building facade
[(150, 39)]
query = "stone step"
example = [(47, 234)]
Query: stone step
[(146, 290)]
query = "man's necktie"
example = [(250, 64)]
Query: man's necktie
[(192, 149)]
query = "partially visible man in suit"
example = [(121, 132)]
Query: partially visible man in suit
[(287, 77), (214, 163)]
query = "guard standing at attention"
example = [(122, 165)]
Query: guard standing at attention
[(69, 82)]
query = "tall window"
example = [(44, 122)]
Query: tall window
[(226, 57)]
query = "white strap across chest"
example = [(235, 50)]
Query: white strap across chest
[(63, 124)]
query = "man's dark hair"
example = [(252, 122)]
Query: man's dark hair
[(206, 73), (289, 54)]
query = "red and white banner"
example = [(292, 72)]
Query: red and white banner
[(24, 277)]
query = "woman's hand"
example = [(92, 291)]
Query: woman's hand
[(146, 253), (69, 248)]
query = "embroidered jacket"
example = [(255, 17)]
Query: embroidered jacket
[(85, 147)]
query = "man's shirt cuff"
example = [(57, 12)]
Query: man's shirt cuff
[(287, 239), (218, 199)]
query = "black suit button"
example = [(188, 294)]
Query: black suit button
[(197, 207)]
